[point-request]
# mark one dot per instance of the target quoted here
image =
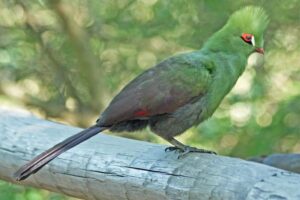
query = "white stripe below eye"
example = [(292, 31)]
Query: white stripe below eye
[(253, 41)]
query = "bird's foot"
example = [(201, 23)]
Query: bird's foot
[(187, 149)]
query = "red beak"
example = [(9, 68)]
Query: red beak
[(260, 50)]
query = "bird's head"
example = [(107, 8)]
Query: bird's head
[(248, 26), (242, 33)]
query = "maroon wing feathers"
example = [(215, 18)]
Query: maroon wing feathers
[(151, 93)]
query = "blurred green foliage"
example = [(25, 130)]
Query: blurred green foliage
[(14, 192), (65, 60)]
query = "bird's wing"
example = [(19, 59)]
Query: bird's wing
[(159, 90)]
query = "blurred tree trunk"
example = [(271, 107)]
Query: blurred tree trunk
[(88, 62)]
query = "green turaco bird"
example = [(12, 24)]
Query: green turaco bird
[(177, 93)]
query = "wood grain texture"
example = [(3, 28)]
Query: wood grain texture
[(114, 168)]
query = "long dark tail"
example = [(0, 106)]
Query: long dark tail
[(41, 160)]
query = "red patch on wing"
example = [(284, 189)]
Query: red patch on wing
[(141, 113)]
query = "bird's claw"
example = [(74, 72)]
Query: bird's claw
[(173, 148), (187, 149)]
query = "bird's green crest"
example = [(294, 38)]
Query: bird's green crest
[(250, 19)]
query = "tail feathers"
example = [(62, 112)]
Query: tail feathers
[(41, 160)]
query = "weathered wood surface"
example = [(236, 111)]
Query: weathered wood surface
[(114, 168)]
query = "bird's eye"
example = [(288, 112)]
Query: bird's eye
[(248, 38)]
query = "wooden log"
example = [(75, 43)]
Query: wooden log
[(114, 168)]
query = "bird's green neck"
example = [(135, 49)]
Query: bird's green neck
[(227, 69), (228, 62)]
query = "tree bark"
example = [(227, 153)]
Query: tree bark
[(114, 168)]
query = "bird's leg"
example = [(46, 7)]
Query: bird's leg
[(184, 149)]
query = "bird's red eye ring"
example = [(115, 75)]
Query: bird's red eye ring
[(248, 38)]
